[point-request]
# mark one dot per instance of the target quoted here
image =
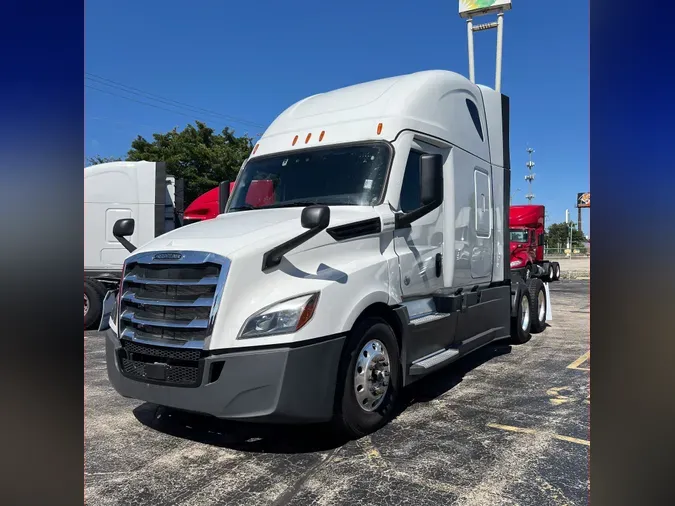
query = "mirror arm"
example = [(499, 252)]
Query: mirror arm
[(404, 220), (125, 242), (273, 257)]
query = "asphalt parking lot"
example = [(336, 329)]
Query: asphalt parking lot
[(505, 425)]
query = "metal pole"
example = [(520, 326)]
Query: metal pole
[(500, 35), (469, 34)]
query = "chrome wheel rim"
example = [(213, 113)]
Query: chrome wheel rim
[(371, 375), (524, 314), (541, 303), (86, 305)]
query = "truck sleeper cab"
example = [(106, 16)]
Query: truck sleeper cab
[(380, 256)]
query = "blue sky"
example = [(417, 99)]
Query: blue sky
[(239, 64)]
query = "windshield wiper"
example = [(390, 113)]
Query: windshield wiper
[(245, 207), (292, 204)]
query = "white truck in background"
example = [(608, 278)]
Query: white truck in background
[(113, 191), (383, 256)]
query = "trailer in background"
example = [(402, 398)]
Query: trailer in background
[(114, 191)]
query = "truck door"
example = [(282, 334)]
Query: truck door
[(481, 256), (419, 247)]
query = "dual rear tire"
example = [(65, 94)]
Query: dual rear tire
[(537, 305), (556, 271), (521, 322), (94, 292)]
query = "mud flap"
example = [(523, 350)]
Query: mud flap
[(549, 311), (109, 302)]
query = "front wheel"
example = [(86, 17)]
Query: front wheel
[(369, 378)]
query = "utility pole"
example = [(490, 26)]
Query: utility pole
[(468, 11), (530, 177), (568, 223)]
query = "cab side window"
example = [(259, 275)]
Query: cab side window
[(410, 190)]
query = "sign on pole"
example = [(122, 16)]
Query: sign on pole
[(584, 200), (473, 8)]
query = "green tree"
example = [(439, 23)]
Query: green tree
[(96, 159), (558, 233), (198, 155)]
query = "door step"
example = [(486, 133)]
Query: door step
[(422, 320), (424, 365)]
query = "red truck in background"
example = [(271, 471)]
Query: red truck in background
[(528, 237), (206, 206)]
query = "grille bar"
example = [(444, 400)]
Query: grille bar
[(131, 297), (133, 278), (131, 317), (161, 340)]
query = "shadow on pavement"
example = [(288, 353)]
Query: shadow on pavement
[(292, 439)]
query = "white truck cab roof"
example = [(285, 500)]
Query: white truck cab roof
[(428, 101)]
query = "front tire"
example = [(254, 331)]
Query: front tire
[(369, 379)]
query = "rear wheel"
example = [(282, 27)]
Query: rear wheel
[(556, 271), (520, 323), (93, 303), (550, 273), (537, 305), (369, 378)]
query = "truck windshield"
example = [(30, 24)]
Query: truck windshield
[(519, 235), (336, 175)]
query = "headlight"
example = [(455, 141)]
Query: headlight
[(281, 318), (516, 263)]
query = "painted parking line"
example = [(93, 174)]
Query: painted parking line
[(583, 358), (524, 430)]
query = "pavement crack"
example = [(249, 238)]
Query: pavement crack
[(293, 489)]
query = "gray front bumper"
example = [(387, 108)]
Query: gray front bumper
[(277, 385)]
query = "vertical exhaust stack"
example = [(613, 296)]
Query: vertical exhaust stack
[(468, 9)]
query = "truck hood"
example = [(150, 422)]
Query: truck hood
[(517, 246), (252, 231)]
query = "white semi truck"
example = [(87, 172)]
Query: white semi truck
[(383, 257), (113, 191)]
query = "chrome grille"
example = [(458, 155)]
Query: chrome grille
[(171, 303)]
